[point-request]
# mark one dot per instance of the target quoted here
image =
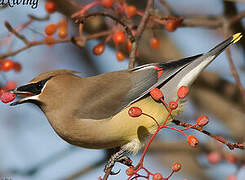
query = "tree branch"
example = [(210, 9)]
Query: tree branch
[(18, 35), (231, 146), (139, 32)]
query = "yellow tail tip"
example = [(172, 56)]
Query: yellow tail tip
[(236, 37)]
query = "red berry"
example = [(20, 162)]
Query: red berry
[(214, 157), (155, 43), (118, 37), (62, 23), (50, 7), (129, 45), (157, 176), (176, 167), (17, 67), (10, 85), (62, 31), (50, 29), (7, 65), (107, 3), (182, 92), (192, 141), (231, 158), (99, 49), (232, 177), (156, 94), (120, 56), (173, 23), (7, 97), (202, 121), (131, 10), (134, 112), (173, 105), (130, 171)]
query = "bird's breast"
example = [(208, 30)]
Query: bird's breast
[(112, 132)]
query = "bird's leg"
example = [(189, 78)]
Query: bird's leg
[(118, 157)]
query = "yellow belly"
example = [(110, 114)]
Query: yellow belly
[(136, 129), (120, 130)]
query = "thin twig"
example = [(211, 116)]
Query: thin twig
[(200, 129), (234, 71), (17, 29), (158, 125), (33, 17), (107, 174), (86, 169), (139, 32), (236, 17), (56, 41), (125, 26), (18, 35), (208, 22), (167, 6)]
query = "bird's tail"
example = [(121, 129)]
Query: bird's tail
[(185, 71), (221, 47)]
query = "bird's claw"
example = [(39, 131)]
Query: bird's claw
[(115, 173), (117, 157)]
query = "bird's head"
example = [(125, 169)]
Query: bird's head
[(41, 88)]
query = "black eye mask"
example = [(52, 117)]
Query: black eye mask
[(34, 88)]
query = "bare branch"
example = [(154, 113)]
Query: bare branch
[(200, 129), (56, 41), (139, 32), (127, 29), (12, 30)]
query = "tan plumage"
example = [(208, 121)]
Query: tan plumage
[(92, 112), (74, 123)]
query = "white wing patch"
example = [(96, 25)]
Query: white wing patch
[(189, 77)]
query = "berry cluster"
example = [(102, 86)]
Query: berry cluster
[(5, 66), (215, 157), (127, 12), (156, 94), (51, 29)]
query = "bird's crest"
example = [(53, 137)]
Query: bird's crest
[(52, 74)]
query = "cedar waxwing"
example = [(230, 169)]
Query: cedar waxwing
[(92, 112)]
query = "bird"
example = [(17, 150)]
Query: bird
[(92, 112)]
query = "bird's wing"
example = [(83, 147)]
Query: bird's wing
[(111, 92), (150, 76)]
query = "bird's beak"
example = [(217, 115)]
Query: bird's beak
[(23, 92)]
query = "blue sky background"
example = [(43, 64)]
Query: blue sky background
[(26, 138)]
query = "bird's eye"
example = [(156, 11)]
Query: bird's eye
[(39, 85)]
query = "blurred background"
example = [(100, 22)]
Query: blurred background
[(30, 149)]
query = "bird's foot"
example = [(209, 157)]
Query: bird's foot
[(117, 157)]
